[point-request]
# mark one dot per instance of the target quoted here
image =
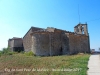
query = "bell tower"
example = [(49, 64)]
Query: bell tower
[(81, 29)]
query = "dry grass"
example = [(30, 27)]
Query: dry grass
[(19, 64)]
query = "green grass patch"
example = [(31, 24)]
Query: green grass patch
[(30, 53), (20, 64)]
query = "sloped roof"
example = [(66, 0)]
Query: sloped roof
[(33, 29)]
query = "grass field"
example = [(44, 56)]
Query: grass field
[(20, 64)]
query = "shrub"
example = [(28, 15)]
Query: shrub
[(15, 52), (22, 52), (30, 53), (0, 53), (10, 53), (6, 51)]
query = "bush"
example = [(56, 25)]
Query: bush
[(10, 53), (6, 51), (0, 54), (30, 53), (15, 52), (22, 52)]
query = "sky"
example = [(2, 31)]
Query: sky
[(17, 16)]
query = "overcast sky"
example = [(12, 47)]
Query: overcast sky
[(17, 16)]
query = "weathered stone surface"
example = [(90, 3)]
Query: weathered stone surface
[(27, 39), (15, 44), (52, 41), (78, 43)]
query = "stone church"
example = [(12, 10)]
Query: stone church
[(52, 41)]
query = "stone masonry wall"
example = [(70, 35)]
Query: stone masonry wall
[(40, 44), (27, 39), (65, 43), (54, 41), (78, 43), (56, 45), (50, 43), (47, 44), (18, 43), (11, 43)]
